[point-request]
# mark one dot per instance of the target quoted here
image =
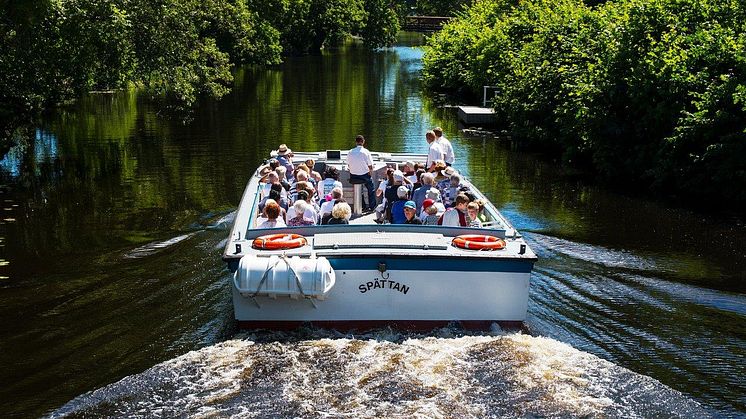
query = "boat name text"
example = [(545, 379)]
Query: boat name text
[(383, 283)]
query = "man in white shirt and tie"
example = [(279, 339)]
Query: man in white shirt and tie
[(434, 153), (360, 164), (445, 145)]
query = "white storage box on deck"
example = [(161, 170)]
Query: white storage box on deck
[(275, 275)]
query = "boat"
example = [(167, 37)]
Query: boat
[(364, 274)]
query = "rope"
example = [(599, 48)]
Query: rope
[(285, 259)]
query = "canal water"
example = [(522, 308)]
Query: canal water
[(115, 301)]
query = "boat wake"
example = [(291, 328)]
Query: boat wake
[(385, 374)]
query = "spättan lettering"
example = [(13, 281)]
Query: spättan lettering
[(384, 284)]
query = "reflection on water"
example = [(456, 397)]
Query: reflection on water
[(113, 221)]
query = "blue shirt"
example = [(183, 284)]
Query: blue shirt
[(397, 212)]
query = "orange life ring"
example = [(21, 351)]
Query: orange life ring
[(279, 241), (479, 242)]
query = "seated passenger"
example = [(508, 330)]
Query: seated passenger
[(282, 173), (298, 218), (418, 176), (327, 205), (409, 172), (425, 205), (397, 207), (275, 194), (310, 212), (331, 181), (340, 213), (272, 179), (472, 210), (313, 174), (272, 212), (418, 196), (431, 216), (410, 213), (456, 216), (301, 181)]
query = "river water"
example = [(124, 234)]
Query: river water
[(115, 301)]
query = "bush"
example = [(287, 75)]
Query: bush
[(647, 92)]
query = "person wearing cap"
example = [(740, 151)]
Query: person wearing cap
[(285, 158), (445, 145), (431, 215), (410, 213), (397, 207), (425, 205), (456, 216), (360, 165)]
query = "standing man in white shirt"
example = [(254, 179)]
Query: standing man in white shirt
[(445, 145), (435, 152), (360, 164)]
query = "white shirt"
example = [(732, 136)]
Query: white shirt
[(447, 148), (327, 185), (310, 214), (435, 153), (326, 208), (359, 160), (278, 222)]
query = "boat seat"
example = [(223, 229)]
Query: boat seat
[(357, 195)]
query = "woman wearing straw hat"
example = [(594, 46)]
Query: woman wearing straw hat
[(285, 157)]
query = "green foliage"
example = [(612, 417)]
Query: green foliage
[(53, 51), (645, 91)]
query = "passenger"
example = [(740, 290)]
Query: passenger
[(439, 171), (380, 192), (408, 170), (310, 212), (301, 180), (435, 152), (297, 218), (274, 164), (272, 212), (425, 205), (472, 210), (331, 181), (326, 206), (431, 216), (341, 214), (397, 207), (275, 194), (328, 216), (418, 174), (314, 174), (482, 216), (456, 216), (410, 213), (449, 157), (360, 164), (272, 179), (285, 158), (454, 188), (282, 173), (418, 196)]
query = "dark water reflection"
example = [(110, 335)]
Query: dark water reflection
[(113, 220)]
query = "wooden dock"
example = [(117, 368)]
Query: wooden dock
[(476, 115), (424, 23)]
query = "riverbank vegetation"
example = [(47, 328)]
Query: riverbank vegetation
[(53, 51), (649, 93)]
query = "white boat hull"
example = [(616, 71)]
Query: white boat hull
[(363, 298)]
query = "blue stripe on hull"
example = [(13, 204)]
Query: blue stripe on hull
[(431, 264), (411, 263)]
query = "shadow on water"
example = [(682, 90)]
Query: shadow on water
[(114, 219)]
